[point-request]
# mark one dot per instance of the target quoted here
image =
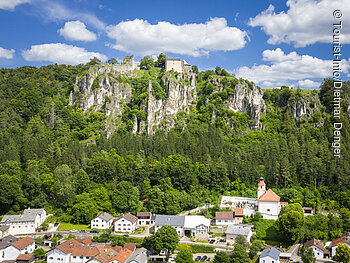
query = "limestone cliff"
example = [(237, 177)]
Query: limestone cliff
[(109, 89)]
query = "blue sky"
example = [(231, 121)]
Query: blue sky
[(272, 42)]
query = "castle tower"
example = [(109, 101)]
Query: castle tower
[(261, 187)]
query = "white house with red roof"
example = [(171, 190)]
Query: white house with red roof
[(268, 201), (125, 223), (344, 239), (102, 221), (13, 247)]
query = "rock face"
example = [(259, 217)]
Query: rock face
[(161, 113), (305, 107), (100, 89), (250, 100)]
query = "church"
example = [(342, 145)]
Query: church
[(267, 202)]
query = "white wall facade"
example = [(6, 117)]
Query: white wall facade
[(268, 260), (144, 222), (23, 227), (318, 252), (268, 209), (57, 256), (9, 253), (100, 223), (225, 222), (28, 249), (176, 65), (123, 225), (78, 259)]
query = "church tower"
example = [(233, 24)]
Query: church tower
[(261, 187)]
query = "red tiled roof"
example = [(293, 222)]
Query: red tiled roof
[(25, 257), (24, 242), (224, 215), (116, 248), (86, 241), (122, 256), (68, 246), (130, 246), (149, 214), (238, 211), (269, 196), (314, 242), (340, 240), (128, 217), (86, 251)]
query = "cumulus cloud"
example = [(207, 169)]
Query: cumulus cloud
[(140, 37), (305, 22), (60, 53), (76, 31), (308, 83), (11, 4), (6, 53), (284, 68)]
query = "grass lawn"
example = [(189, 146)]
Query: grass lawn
[(68, 226), (255, 259), (139, 230)]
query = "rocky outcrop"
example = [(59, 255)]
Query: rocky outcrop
[(107, 88), (304, 107), (161, 113), (248, 99)]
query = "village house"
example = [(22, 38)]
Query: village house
[(145, 218), (308, 211), (177, 65), (102, 221), (270, 255), (25, 223), (344, 239), (229, 218), (190, 226), (125, 223), (11, 247), (317, 247), (83, 250), (233, 231)]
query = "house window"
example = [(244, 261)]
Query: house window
[(268, 210), (273, 261), (81, 257), (74, 257)]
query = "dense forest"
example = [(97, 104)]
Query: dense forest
[(54, 155)]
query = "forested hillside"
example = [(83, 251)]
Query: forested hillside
[(58, 155)]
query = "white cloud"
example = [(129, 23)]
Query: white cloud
[(60, 53), (76, 30), (11, 4), (56, 11), (140, 37), (285, 68), (6, 53), (305, 22), (308, 83)]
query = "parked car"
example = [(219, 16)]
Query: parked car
[(198, 258), (94, 231), (212, 241), (126, 235), (73, 230), (204, 258), (56, 224), (83, 231)]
